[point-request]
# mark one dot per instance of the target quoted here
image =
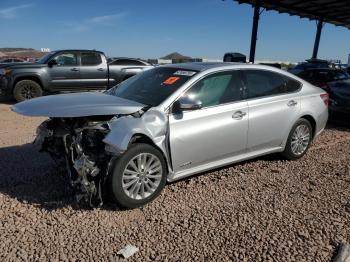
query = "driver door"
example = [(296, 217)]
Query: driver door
[(216, 131), (64, 72)]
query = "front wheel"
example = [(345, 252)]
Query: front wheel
[(27, 89), (299, 140), (139, 176)]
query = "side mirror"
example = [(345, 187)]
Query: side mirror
[(186, 104), (52, 63)]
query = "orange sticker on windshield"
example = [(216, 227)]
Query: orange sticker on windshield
[(171, 80)]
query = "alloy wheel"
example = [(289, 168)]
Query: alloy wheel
[(142, 176), (29, 92), (300, 139)]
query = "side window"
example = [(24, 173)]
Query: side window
[(291, 85), (90, 59), (219, 88), (66, 59), (127, 62), (262, 83)]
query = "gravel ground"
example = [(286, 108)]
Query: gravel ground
[(264, 209)]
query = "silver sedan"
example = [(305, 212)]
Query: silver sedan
[(174, 121)]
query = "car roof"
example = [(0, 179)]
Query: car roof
[(203, 66), (77, 50)]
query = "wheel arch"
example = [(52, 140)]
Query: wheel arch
[(142, 138), (312, 121), (307, 117), (28, 77), (127, 76)]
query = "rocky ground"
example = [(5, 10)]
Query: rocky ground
[(264, 209)]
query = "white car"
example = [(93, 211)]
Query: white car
[(174, 121)]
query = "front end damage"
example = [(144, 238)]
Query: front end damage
[(79, 142), (89, 146)]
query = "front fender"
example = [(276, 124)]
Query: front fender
[(29, 75), (153, 124)]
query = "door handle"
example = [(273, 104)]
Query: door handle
[(238, 115), (100, 69), (75, 69), (292, 103)]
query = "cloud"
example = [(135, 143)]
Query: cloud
[(92, 22), (11, 12)]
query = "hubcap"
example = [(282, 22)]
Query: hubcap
[(300, 139), (142, 176)]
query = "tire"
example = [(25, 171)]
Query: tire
[(297, 145), (27, 89), (122, 188)]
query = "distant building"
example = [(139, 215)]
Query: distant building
[(159, 61)]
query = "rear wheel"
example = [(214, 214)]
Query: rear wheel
[(299, 140), (27, 89), (139, 176)]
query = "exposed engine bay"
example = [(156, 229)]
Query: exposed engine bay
[(79, 142), (89, 146)]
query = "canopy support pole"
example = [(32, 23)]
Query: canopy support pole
[(254, 32), (317, 38)]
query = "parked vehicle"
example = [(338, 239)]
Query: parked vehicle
[(174, 121), (310, 64), (12, 60), (125, 61), (235, 57), (339, 100), (64, 70), (322, 76)]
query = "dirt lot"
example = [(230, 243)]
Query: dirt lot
[(265, 209)]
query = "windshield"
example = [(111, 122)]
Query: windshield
[(44, 58), (153, 86)]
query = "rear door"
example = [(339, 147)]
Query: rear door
[(93, 71), (274, 105), (65, 73)]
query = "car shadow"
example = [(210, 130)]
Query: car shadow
[(34, 178), (6, 100)]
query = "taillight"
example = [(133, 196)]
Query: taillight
[(325, 98)]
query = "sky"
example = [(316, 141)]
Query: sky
[(154, 28)]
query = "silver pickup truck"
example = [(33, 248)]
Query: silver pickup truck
[(66, 71)]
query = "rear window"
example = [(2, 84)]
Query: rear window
[(89, 59), (153, 86), (262, 83)]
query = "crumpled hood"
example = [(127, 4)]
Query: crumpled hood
[(77, 105)]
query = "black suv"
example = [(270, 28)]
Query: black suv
[(322, 76)]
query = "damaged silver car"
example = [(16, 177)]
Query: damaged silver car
[(174, 121)]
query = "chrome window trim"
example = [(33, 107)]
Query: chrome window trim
[(168, 109)]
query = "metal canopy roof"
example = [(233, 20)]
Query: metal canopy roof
[(335, 12)]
